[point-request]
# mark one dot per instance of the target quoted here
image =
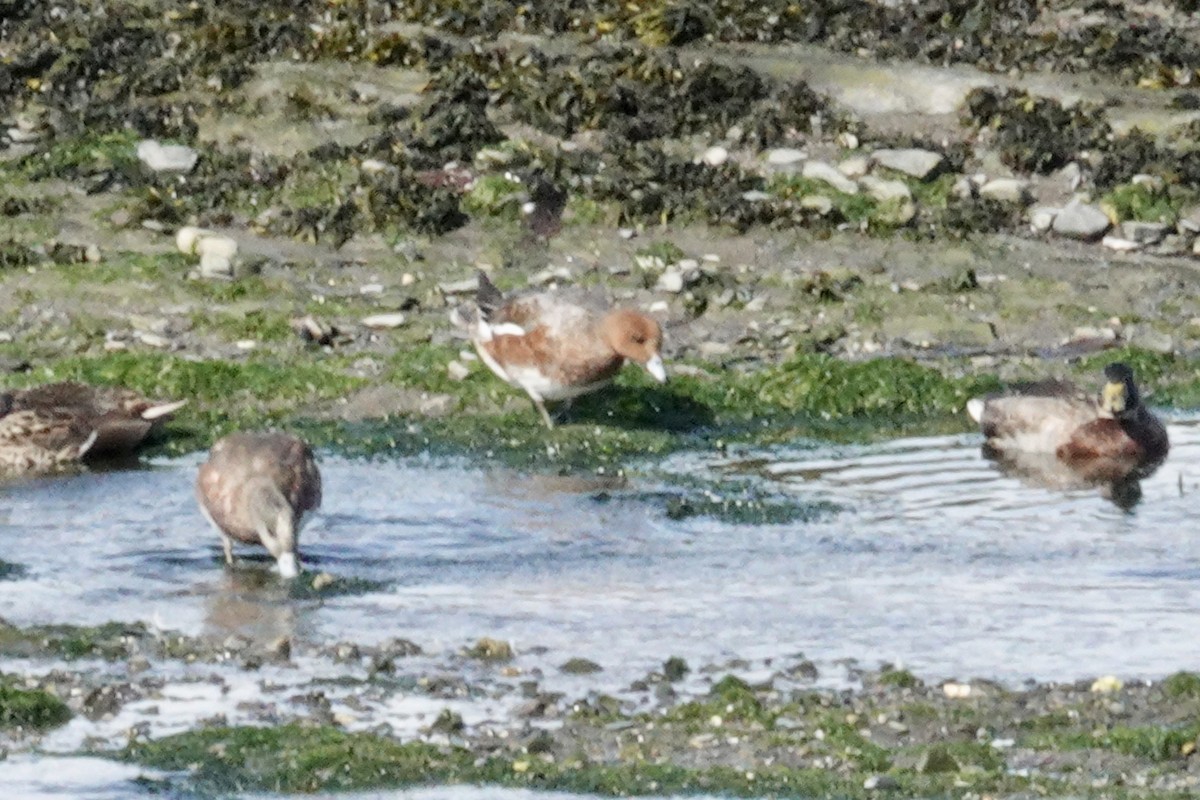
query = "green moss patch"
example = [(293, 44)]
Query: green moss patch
[(30, 709)]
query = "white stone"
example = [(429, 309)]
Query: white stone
[(1120, 245), (457, 370), (384, 321), (373, 166), (715, 156), (1006, 190), (187, 237), (1041, 219), (785, 156), (214, 265), (167, 157), (670, 281), (1079, 220), (659, 307), (827, 173), (855, 166), (914, 162), (371, 288), (818, 203), (92, 254), (755, 196), (884, 190), (848, 140), (222, 246)]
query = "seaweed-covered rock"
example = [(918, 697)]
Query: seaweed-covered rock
[(1035, 134)]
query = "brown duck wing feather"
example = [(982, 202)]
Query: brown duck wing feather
[(36, 441), (122, 418), (1036, 422)]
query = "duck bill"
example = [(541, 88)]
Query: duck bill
[(289, 566), (656, 369), (1114, 397)]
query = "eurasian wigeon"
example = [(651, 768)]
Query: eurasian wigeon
[(121, 419), (257, 488), (1089, 432), (556, 349)]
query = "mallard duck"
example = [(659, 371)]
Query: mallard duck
[(557, 349), (256, 488), (1101, 434), (121, 419)]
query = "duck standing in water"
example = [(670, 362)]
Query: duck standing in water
[(257, 488), (556, 349), (1105, 436), (46, 428)]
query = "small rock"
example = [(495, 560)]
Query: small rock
[(457, 370), (1189, 220), (847, 140), (937, 759), (1042, 219), (896, 213), (580, 666), (384, 321), (187, 237), (167, 157), (1081, 221), (373, 166), (785, 156), (919, 164), (827, 173), (550, 275), (152, 339), (369, 289), (818, 203), (322, 580), (92, 254), (223, 246), (1144, 232), (1107, 685), (629, 233), (755, 196), (1120, 245), (884, 190), (881, 782), (715, 156), (674, 669), (855, 167), (1152, 182), (487, 649), (467, 286), (1172, 245), (956, 691), (213, 265), (310, 329), (1006, 190), (670, 281)]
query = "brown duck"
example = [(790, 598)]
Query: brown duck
[(256, 488), (48, 427), (1097, 435)]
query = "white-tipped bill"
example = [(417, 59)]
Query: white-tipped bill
[(655, 367)]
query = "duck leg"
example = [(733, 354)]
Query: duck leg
[(227, 543), (541, 407)]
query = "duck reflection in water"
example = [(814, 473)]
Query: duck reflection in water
[(1053, 435), (252, 604)]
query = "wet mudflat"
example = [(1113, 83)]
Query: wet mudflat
[(472, 604)]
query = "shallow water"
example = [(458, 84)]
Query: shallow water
[(935, 560)]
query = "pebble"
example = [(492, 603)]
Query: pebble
[(917, 163), (1006, 190), (215, 266), (1144, 232), (245, 344), (755, 196), (884, 782), (855, 166), (167, 157), (818, 203), (884, 190), (785, 156), (223, 246), (956, 691), (1042, 219), (550, 275), (715, 156), (1107, 685), (670, 281), (457, 370), (152, 339), (1081, 221), (459, 287), (827, 173), (1119, 244), (848, 140), (385, 321), (92, 254), (371, 288), (187, 237)]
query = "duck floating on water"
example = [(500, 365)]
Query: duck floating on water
[(555, 348), (257, 488), (1052, 428)]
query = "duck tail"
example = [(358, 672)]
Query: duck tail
[(975, 408), (487, 296)]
